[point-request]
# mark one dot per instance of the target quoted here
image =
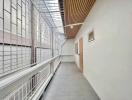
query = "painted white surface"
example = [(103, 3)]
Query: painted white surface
[(68, 51), (108, 59), (77, 61)]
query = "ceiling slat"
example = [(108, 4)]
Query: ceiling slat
[(75, 11)]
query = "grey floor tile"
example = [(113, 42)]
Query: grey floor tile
[(69, 84)]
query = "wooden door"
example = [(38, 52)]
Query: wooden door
[(81, 53)]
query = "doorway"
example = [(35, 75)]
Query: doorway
[(81, 54)]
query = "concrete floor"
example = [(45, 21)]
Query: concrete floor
[(69, 84)]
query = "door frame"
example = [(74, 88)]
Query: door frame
[(81, 54)]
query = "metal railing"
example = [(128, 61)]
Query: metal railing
[(29, 84)]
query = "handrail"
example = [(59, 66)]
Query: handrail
[(67, 55), (9, 80), (38, 94)]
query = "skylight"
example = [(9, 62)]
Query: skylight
[(49, 9), (53, 7)]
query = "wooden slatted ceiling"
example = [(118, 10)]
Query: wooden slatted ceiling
[(75, 11)]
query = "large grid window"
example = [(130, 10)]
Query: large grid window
[(25, 36), (15, 35)]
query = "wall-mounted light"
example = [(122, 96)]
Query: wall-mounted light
[(91, 36)]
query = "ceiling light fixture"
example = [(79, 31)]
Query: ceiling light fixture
[(71, 26)]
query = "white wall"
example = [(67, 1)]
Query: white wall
[(108, 59), (77, 61), (68, 51)]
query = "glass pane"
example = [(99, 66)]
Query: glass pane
[(11, 98), (19, 27), (1, 8), (23, 1), (13, 29), (23, 33), (1, 25), (14, 3), (27, 20), (19, 12), (27, 30), (1, 30), (16, 96), (27, 13), (1, 60), (7, 5), (13, 16), (23, 22), (19, 2), (6, 21), (23, 9)]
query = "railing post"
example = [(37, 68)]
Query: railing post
[(52, 51), (33, 56)]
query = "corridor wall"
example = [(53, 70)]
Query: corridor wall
[(107, 59)]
